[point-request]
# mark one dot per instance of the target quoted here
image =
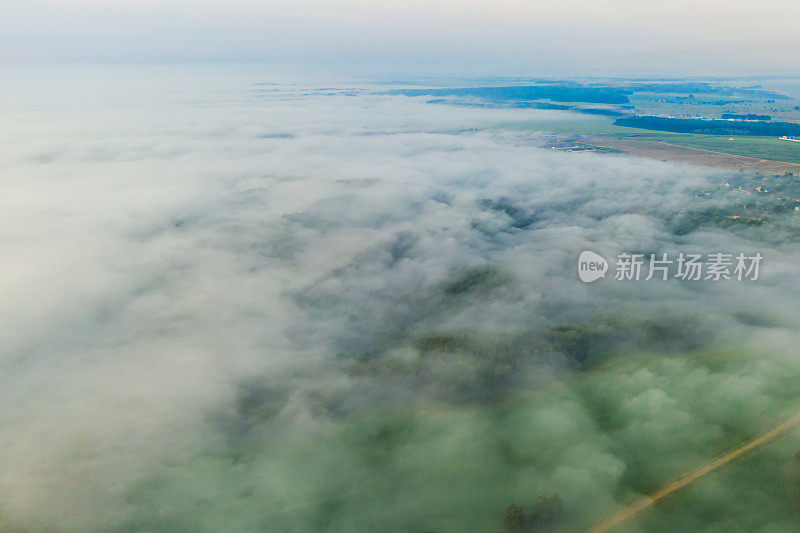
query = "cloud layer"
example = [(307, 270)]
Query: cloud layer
[(246, 307)]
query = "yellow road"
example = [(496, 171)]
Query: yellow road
[(632, 510)]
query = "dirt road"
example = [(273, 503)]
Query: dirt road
[(631, 511)]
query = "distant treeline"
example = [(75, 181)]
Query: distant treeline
[(712, 127), (749, 116), (575, 109), (555, 93), (573, 92), (704, 88), (533, 105)]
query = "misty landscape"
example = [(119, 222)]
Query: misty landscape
[(237, 302)]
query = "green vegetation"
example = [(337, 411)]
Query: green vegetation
[(546, 512), (556, 93), (746, 116), (767, 480), (759, 147), (768, 148), (479, 279), (762, 207), (757, 139), (579, 125), (711, 127), (514, 519), (626, 427)]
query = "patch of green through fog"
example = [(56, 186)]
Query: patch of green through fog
[(598, 439)]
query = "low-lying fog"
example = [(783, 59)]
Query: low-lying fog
[(239, 307)]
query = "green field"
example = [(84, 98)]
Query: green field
[(759, 147), (599, 440)]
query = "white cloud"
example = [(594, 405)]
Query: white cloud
[(183, 263)]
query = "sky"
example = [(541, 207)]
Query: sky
[(505, 37)]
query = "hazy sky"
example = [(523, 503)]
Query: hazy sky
[(475, 36)]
